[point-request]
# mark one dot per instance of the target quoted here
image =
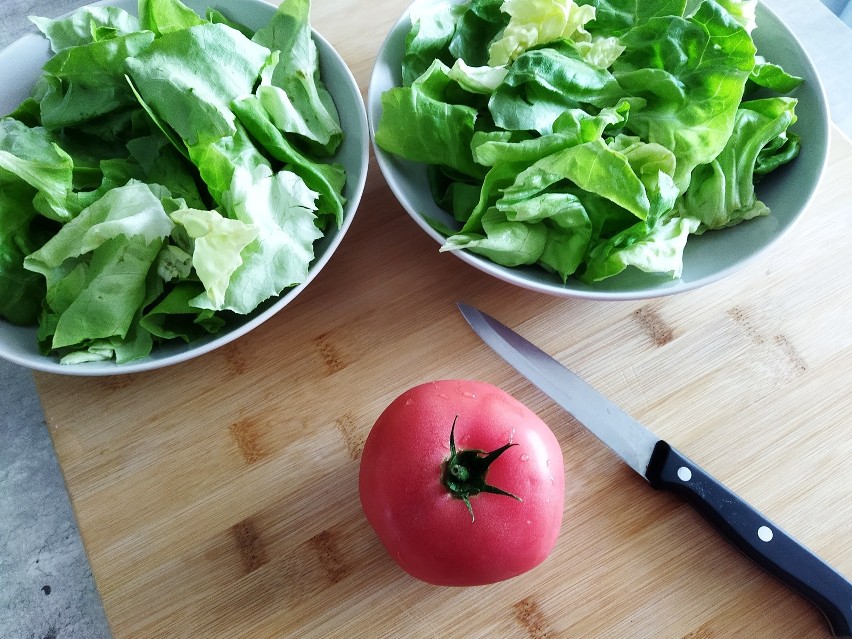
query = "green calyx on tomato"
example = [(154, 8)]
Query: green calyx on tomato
[(465, 470)]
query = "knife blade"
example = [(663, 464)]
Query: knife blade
[(665, 468)]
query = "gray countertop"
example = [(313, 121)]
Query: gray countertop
[(46, 585)]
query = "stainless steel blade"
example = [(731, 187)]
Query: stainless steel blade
[(624, 435)]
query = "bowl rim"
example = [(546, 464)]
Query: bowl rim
[(660, 288), (329, 56)]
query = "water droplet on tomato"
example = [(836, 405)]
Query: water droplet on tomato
[(409, 402), (469, 394), (525, 457)]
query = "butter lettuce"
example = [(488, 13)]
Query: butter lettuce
[(87, 25), (722, 192), (216, 253), (281, 209), (168, 172), (85, 82), (590, 136), (31, 156), (691, 72), (538, 22), (166, 16), (295, 81), (96, 267), (185, 92), (444, 131)]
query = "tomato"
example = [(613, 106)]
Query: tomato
[(488, 513)]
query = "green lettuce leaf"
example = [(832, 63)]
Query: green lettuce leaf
[(294, 92), (654, 248), (174, 317), (21, 291), (96, 266), (281, 207), (193, 93), (85, 26), (218, 17), (771, 76), (437, 132), (743, 11), (166, 16), (32, 156), (85, 82), (593, 166), (218, 161), (543, 83), (692, 73), (572, 127), (722, 192), (326, 178), (477, 23), (503, 241), (433, 26), (617, 17), (136, 343)]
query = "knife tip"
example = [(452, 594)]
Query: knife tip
[(466, 309)]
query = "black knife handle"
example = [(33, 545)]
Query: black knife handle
[(761, 540)]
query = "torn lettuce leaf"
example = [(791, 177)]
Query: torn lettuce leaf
[(282, 210), (97, 265), (722, 192), (85, 26), (31, 155), (295, 80), (692, 73), (217, 247), (538, 22), (443, 130), (166, 16), (194, 95)]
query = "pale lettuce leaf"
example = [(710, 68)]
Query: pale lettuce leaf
[(537, 22), (217, 247), (281, 207), (86, 25)]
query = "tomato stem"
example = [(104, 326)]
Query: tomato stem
[(465, 470)]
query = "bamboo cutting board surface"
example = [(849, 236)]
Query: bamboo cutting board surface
[(219, 498)]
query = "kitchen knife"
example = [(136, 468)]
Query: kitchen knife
[(667, 469)]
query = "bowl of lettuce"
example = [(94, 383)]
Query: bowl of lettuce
[(604, 150), (171, 176)]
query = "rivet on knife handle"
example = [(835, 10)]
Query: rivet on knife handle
[(666, 468), (762, 541)]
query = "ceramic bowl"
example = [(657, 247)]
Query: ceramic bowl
[(708, 257), (22, 62)]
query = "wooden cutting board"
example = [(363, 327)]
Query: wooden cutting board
[(218, 498)]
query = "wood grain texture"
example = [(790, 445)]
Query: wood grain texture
[(218, 498)]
